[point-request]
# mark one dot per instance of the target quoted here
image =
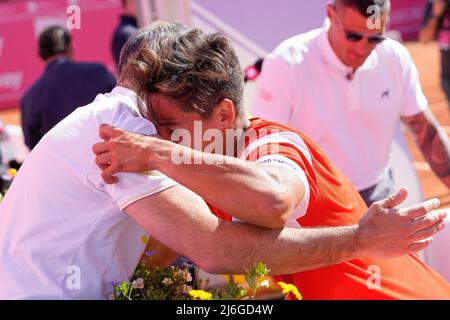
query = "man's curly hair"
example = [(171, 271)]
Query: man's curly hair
[(194, 70)]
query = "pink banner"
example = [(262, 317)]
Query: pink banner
[(406, 17), (22, 21)]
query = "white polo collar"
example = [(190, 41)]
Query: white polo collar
[(130, 94), (332, 60)]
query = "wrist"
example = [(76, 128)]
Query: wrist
[(158, 154), (359, 247)]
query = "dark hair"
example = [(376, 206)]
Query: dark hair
[(193, 69), (52, 41), (363, 5), (154, 32)]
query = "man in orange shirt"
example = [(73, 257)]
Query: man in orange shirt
[(192, 87)]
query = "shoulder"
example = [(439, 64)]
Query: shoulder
[(123, 32), (119, 111), (394, 51), (127, 30), (295, 49), (89, 66), (95, 71), (31, 93), (262, 132)]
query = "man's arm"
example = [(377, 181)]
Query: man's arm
[(180, 219), (432, 20), (264, 195), (433, 142)]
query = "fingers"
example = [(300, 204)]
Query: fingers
[(108, 175), (429, 232), (107, 131), (421, 209), (100, 148), (103, 160), (420, 245), (395, 199), (430, 219)]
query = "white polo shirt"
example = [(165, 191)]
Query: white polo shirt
[(63, 234), (304, 84)]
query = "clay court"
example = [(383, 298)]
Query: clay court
[(427, 60)]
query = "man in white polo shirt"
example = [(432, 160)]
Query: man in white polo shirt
[(347, 87), (65, 234)]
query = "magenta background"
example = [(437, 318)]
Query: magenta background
[(91, 42), (266, 22)]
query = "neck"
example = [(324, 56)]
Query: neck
[(241, 125), (56, 57), (124, 83), (334, 45)]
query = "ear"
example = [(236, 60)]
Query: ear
[(224, 114), (330, 11)]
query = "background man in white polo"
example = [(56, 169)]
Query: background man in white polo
[(65, 234), (347, 87)]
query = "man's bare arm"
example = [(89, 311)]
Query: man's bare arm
[(428, 31), (433, 142), (264, 195), (180, 219)]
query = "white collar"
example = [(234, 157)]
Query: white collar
[(130, 95), (332, 60)]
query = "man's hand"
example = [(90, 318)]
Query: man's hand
[(387, 232), (122, 151)]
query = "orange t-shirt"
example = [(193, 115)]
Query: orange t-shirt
[(333, 201)]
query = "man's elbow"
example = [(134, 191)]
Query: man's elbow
[(276, 210), (215, 262)]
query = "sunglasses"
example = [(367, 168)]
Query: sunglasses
[(356, 37)]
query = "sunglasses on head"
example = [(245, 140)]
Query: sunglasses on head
[(356, 37)]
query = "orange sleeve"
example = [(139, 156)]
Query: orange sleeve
[(291, 152)]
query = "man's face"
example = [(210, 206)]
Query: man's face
[(168, 117), (353, 36)]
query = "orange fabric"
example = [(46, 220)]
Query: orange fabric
[(335, 202)]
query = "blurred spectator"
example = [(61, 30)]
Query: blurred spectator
[(64, 85), (2, 137), (347, 87), (126, 28), (436, 25)]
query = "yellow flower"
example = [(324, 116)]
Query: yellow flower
[(144, 239), (200, 294), (290, 288), (12, 172)]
